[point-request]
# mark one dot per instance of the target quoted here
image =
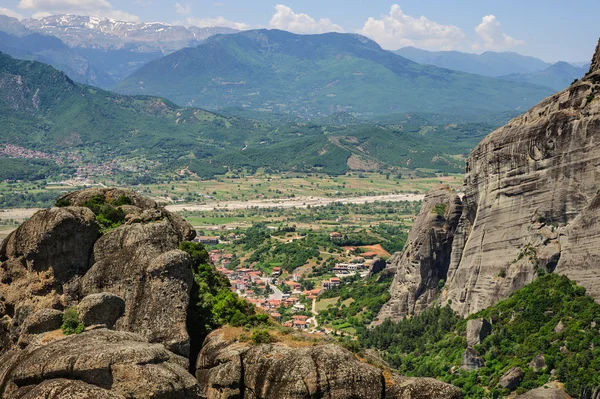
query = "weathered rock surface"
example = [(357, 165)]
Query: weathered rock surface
[(548, 391), (123, 363), (511, 379), (531, 202), (426, 256), (531, 205), (421, 388), (229, 369), (477, 330), (56, 258), (470, 360), (103, 308)]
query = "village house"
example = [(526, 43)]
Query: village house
[(335, 236), (298, 307), (293, 285), (300, 322), (276, 272), (333, 282)]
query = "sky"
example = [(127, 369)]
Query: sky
[(552, 30)]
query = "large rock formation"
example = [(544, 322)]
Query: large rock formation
[(531, 201), (228, 369), (132, 278), (59, 256), (531, 205), (421, 268)]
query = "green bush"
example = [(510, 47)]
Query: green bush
[(71, 323), (261, 337), (439, 209), (62, 202)]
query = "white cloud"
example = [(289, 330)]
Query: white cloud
[(397, 30), (100, 8), (211, 22), (183, 10), (286, 19), (218, 4), (491, 35), (10, 13)]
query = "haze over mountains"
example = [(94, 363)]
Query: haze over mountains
[(98, 51)]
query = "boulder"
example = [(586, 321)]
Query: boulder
[(103, 308), (120, 362), (42, 321), (511, 379), (421, 388), (471, 361), (548, 391), (538, 363), (61, 388), (426, 256), (560, 327), (477, 330)]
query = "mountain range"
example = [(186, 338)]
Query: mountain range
[(42, 109), (97, 51), (504, 65), (489, 63), (318, 75)]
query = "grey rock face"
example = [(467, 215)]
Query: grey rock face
[(103, 308), (471, 361), (477, 330), (511, 379), (232, 370), (531, 202), (548, 391), (538, 363), (426, 256)]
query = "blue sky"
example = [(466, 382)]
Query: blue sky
[(549, 29)]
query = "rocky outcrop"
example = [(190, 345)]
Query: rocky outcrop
[(470, 360), (421, 269), (595, 65), (548, 391), (132, 278), (531, 202), (511, 379), (228, 369), (59, 256), (104, 363), (531, 205), (477, 330)]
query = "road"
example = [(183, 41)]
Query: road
[(301, 202), (315, 314), (277, 293)]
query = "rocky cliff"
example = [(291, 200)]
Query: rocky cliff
[(130, 286), (421, 269), (227, 369), (531, 205)]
